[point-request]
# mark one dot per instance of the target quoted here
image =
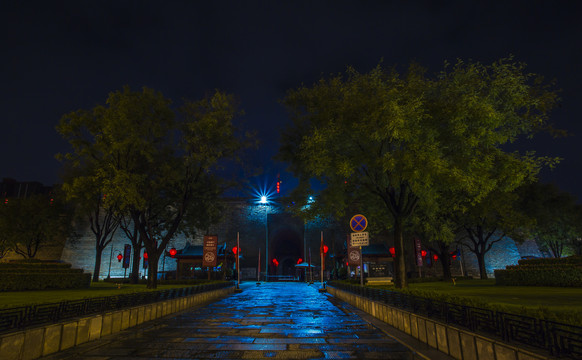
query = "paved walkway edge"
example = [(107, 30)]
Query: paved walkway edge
[(409, 328), (41, 341)]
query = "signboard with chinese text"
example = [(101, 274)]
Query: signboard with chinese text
[(210, 251), (360, 239)]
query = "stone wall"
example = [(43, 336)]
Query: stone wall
[(288, 239)]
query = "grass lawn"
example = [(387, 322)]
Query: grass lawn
[(529, 296), (555, 299), (21, 298)]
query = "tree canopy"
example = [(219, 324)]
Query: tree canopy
[(159, 166), (401, 141), (30, 224), (557, 217)]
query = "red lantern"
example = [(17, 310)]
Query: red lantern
[(325, 249), (423, 253), (299, 261), (145, 255), (173, 252), (435, 257), (119, 257), (234, 250), (392, 252), (276, 262)]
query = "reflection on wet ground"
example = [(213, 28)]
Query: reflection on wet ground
[(272, 320)]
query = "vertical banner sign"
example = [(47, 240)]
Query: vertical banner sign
[(418, 251), (209, 250), (126, 255)]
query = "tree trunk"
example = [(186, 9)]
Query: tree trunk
[(134, 276), (153, 271), (481, 262), (97, 269), (400, 265), (446, 264)]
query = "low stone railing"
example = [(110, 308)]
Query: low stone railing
[(43, 340), (457, 342)]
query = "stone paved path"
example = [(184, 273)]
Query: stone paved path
[(273, 320)]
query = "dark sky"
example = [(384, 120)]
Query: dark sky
[(60, 56)]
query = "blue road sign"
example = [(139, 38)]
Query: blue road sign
[(358, 223)]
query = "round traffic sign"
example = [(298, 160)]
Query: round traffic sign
[(358, 223), (354, 255)]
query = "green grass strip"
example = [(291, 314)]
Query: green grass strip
[(549, 303), (11, 299)]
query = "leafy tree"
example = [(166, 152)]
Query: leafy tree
[(402, 140), (5, 246), (131, 231), (160, 169), (33, 223), (437, 233), (558, 219), (576, 246), (486, 223), (84, 188)]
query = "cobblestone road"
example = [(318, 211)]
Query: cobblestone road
[(273, 320)]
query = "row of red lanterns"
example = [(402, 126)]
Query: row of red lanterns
[(422, 253), (172, 252)]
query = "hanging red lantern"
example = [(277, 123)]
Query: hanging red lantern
[(173, 252), (235, 250), (119, 257), (299, 261), (435, 257), (325, 249), (423, 253), (145, 255), (392, 251)]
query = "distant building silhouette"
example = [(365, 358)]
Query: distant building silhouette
[(10, 188)]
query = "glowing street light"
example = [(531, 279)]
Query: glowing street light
[(265, 201), (262, 196)]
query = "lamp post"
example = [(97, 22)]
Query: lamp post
[(110, 257), (265, 201)]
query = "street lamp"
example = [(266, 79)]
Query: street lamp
[(265, 201)]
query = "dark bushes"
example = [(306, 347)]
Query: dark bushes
[(40, 275)]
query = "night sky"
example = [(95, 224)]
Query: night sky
[(61, 56)]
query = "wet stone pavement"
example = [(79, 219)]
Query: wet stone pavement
[(272, 320)]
